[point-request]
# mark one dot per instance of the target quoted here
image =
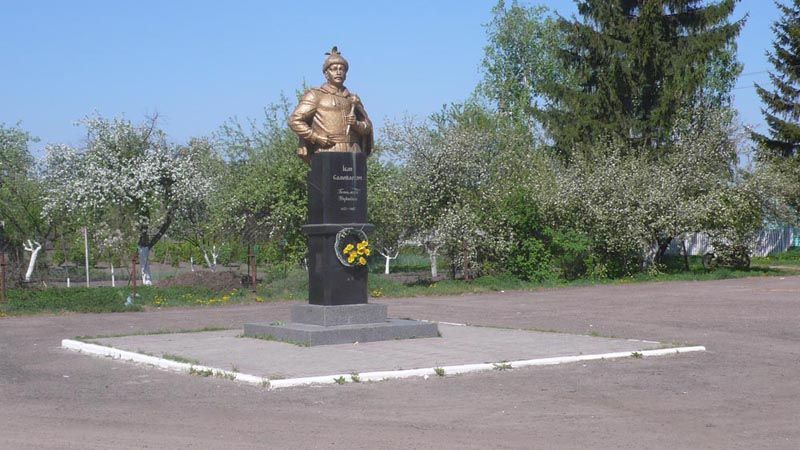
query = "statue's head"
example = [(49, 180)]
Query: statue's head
[(335, 67)]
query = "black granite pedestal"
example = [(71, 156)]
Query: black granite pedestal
[(337, 311)]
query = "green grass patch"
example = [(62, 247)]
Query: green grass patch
[(179, 358), (79, 299), (293, 285), (148, 333), (790, 257)]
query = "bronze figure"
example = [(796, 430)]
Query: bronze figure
[(330, 118)]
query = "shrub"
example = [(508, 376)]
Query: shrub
[(531, 260)]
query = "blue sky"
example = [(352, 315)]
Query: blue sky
[(197, 63)]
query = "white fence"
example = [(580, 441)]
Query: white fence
[(768, 241)]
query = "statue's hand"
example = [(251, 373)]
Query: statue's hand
[(350, 119), (323, 141)]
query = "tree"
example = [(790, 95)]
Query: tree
[(623, 70), (387, 208), (23, 225), (448, 182), (520, 58), (129, 170), (782, 105), (194, 222), (781, 148), (263, 198), (631, 209)]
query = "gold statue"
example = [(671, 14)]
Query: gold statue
[(330, 118)]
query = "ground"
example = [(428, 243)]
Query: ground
[(743, 392)]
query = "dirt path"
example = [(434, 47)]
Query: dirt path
[(743, 393)]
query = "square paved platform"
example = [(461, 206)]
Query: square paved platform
[(458, 345)]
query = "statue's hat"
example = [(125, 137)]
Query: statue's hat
[(334, 57)]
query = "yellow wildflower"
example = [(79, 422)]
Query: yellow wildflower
[(348, 248), (362, 261), (351, 258)]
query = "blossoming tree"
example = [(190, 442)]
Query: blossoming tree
[(448, 182), (387, 209), (130, 169)]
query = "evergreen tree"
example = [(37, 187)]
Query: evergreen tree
[(635, 64), (782, 105)]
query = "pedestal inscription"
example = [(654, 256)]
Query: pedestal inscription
[(337, 199), (337, 188)]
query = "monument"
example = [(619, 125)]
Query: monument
[(335, 140)]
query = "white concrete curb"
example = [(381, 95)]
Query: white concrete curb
[(161, 363), (100, 350)]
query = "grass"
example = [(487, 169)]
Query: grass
[(293, 285), (147, 333), (200, 372), (502, 366), (790, 257), (179, 358)]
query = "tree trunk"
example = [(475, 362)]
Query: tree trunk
[(34, 249), (144, 261), (113, 282), (465, 262), (649, 255), (663, 246), (685, 254), (388, 258), (211, 262), (434, 269)]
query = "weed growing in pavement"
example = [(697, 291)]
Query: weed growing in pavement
[(439, 371), (226, 375), (355, 377), (148, 333), (636, 355), (200, 372), (179, 358), (340, 380), (502, 366)]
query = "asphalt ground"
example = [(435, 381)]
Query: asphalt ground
[(744, 392)]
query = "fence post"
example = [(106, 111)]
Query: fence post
[(2, 277), (86, 252), (134, 261), (252, 263)]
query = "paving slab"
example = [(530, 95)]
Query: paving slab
[(458, 345)]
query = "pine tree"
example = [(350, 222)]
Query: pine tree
[(637, 63), (782, 105)]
